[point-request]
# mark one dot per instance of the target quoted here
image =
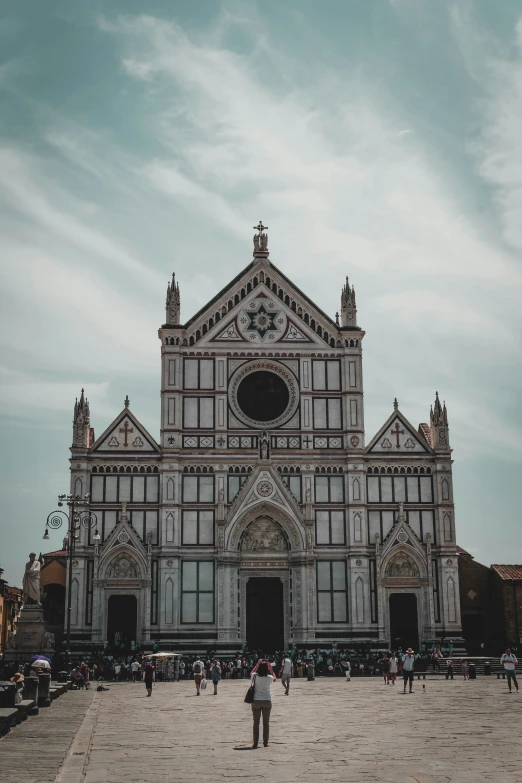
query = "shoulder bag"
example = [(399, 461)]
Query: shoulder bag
[(249, 698)]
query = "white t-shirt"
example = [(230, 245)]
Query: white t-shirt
[(407, 663), (393, 665), (117, 669), (199, 665), (262, 685), (287, 667), (509, 662), (135, 666)]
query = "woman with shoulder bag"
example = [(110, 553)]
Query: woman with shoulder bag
[(263, 677)]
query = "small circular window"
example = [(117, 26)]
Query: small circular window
[(264, 394)]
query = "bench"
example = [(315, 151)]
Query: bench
[(7, 719), (23, 709)]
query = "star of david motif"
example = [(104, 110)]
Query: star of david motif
[(261, 321)]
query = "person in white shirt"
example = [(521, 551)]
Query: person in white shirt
[(510, 661), (348, 670), (198, 670), (393, 668), (263, 676), (286, 672), (408, 663), (135, 669)]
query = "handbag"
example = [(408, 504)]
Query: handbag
[(203, 684), (249, 698)]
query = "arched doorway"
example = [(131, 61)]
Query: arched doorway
[(265, 622), (404, 622), (122, 620)]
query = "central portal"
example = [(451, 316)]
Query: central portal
[(404, 628), (264, 614), (122, 620)]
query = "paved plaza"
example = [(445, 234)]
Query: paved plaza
[(327, 730)]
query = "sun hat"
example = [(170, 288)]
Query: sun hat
[(409, 650)]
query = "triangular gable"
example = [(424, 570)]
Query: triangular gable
[(403, 539), (226, 317), (123, 538), (264, 486), (125, 435), (398, 436), (262, 319)]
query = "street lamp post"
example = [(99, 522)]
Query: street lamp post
[(78, 516)]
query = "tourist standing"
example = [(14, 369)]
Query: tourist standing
[(263, 677), (215, 673), (392, 670), (286, 673), (464, 666), (408, 663), (348, 668), (197, 670), (449, 669), (135, 669), (149, 677), (510, 661)]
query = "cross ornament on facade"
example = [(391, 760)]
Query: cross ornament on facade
[(307, 441), (126, 430), (260, 227), (397, 432)]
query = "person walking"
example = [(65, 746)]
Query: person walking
[(149, 677), (392, 671), (263, 676), (285, 673), (464, 666), (348, 670), (215, 673), (197, 670), (509, 662), (408, 663), (449, 669), (135, 670), (385, 668)]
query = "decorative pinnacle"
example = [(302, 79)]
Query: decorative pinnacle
[(260, 241), (127, 401), (395, 404), (337, 319)]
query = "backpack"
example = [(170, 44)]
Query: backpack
[(196, 668)]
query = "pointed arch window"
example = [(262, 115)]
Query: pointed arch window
[(170, 489), (448, 536), (445, 489), (452, 605), (78, 487), (359, 600), (170, 528), (356, 489), (169, 601), (357, 528)]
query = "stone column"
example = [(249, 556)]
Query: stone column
[(44, 682)]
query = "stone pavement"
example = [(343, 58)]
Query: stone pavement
[(327, 730), (34, 751)]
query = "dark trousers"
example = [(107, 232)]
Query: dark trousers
[(449, 674), (261, 708)]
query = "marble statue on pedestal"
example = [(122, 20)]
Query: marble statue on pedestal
[(31, 581)]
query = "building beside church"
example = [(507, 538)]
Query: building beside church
[(262, 515)]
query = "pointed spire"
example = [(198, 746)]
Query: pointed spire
[(439, 430), (81, 421), (127, 401), (395, 405), (260, 241), (348, 306), (337, 319), (173, 303)]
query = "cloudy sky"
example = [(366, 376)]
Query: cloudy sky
[(378, 139)]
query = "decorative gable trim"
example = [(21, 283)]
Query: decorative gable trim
[(279, 286), (138, 440), (398, 429)]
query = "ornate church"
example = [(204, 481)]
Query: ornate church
[(263, 516)]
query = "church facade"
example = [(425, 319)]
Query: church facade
[(262, 516)]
